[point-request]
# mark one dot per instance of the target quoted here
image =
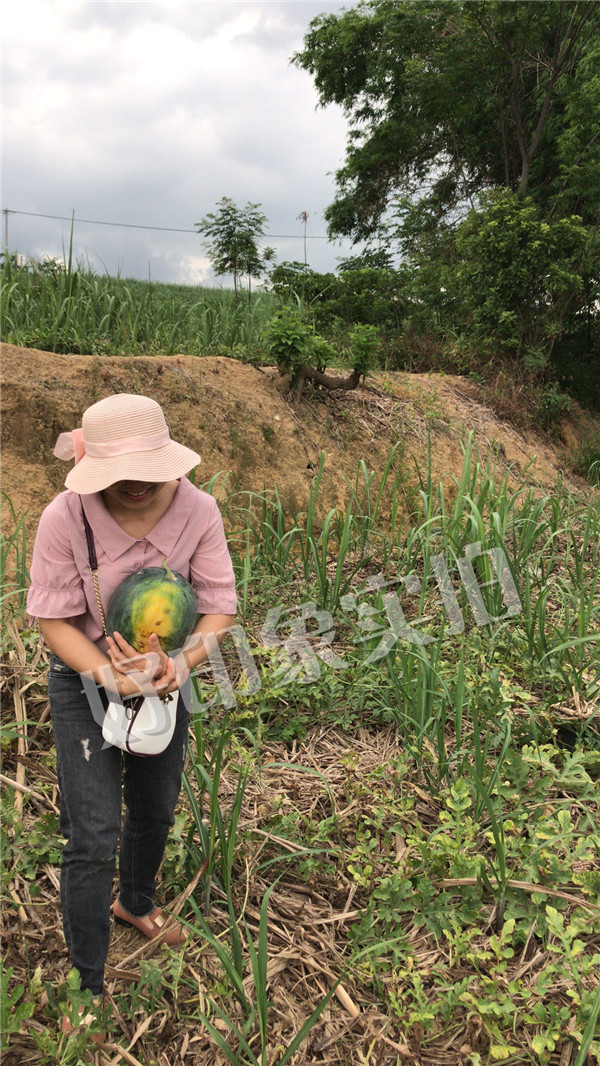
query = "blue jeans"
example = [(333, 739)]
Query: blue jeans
[(90, 775)]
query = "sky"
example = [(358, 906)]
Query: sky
[(147, 114)]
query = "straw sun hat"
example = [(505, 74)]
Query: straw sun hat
[(122, 438)]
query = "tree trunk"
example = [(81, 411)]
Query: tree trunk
[(298, 383), (524, 179), (330, 382), (294, 383)]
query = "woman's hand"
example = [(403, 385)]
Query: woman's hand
[(126, 660), (174, 677), (162, 674)]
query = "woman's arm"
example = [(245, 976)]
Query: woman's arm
[(172, 672), (210, 627), (196, 647), (78, 652)]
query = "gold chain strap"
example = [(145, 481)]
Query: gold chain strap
[(94, 574)]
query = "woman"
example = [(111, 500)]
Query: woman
[(129, 481)]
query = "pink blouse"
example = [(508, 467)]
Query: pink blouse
[(190, 536)]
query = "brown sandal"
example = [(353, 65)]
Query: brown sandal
[(151, 925)]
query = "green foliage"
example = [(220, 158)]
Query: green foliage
[(252, 996), (363, 293), (288, 278), (515, 275), (216, 831), (14, 1007), (448, 92), (444, 806), (365, 347), (370, 295), (14, 574), (25, 849), (288, 340), (554, 404), (116, 316), (292, 343), (447, 114), (588, 459), (369, 259)]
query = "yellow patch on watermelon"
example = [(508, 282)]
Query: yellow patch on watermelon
[(152, 614)]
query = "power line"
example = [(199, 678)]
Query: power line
[(163, 229), (96, 222)]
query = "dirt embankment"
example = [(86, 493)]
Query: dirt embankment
[(233, 414)]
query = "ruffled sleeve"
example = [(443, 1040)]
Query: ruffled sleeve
[(56, 589)]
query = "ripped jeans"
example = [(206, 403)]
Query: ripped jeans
[(90, 776)]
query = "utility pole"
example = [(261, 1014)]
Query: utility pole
[(303, 217), (5, 213)]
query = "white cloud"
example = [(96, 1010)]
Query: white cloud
[(149, 113)]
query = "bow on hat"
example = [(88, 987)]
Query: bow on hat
[(70, 446)]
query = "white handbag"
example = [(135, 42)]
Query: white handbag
[(140, 725)]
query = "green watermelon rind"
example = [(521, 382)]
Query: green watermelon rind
[(134, 597)]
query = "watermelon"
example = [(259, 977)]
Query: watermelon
[(153, 600)]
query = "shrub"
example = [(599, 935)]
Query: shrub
[(516, 276), (552, 406), (365, 348), (293, 344)]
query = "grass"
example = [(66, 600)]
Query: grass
[(72, 309), (587, 460), (14, 575), (391, 827)]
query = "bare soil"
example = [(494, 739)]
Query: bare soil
[(234, 415)]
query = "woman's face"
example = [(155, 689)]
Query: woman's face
[(133, 495)]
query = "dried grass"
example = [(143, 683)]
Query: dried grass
[(309, 919)]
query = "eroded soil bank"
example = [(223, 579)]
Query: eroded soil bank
[(233, 414)]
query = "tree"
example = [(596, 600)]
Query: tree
[(232, 246), (474, 113), (368, 259), (302, 355), (369, 295), (447, 100), (303, 218)]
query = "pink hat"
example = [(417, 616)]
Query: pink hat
[(122, 438)]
